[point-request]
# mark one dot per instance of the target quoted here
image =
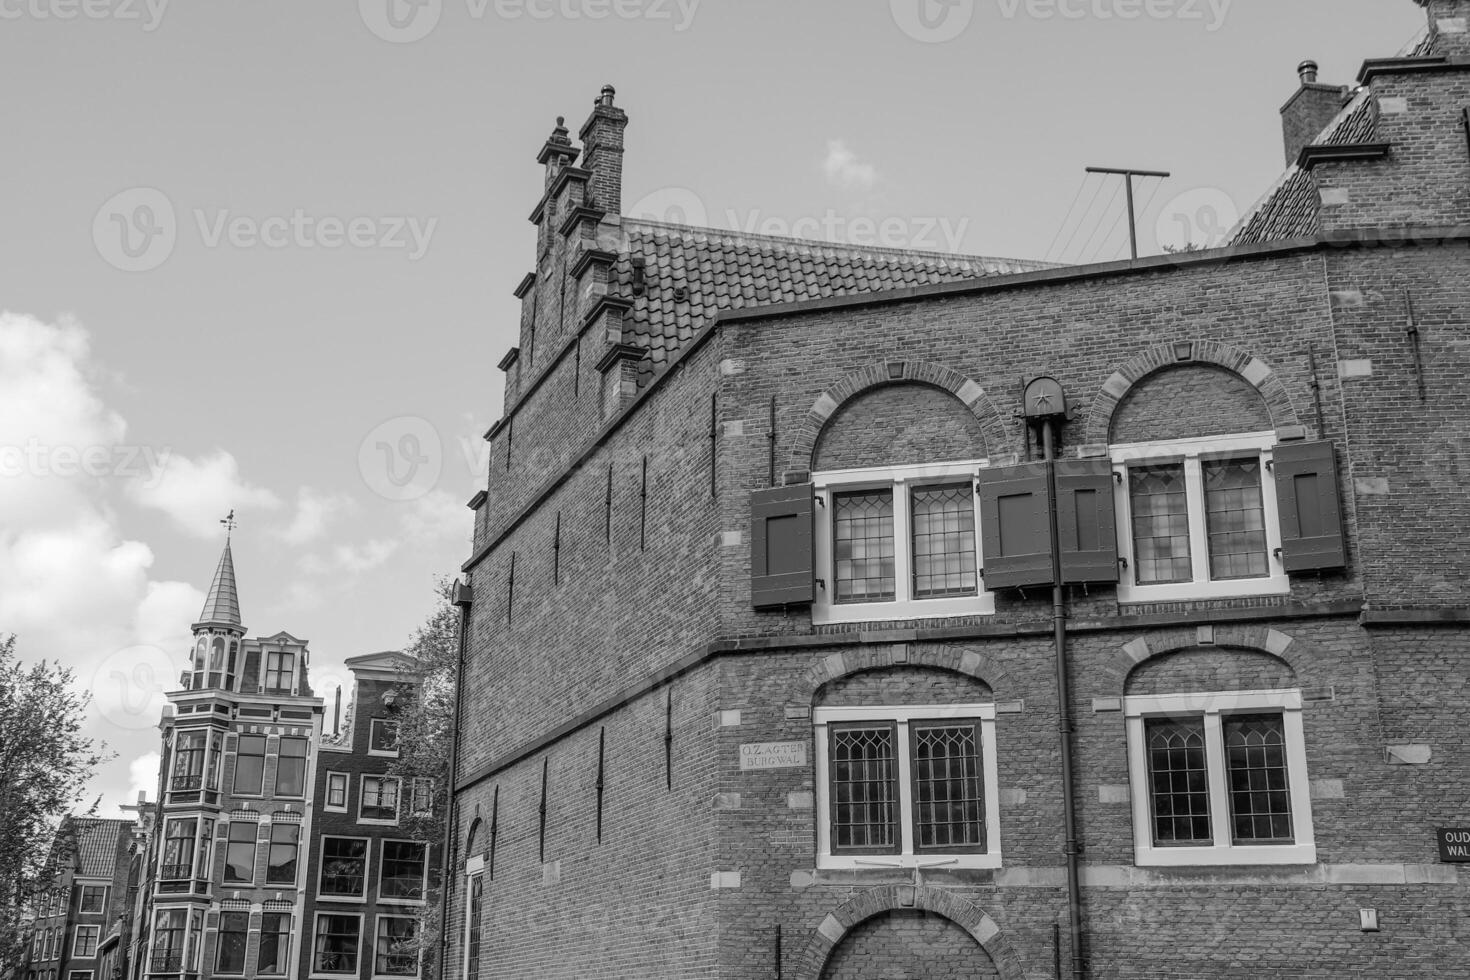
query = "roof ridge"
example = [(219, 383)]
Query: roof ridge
[(811, 246)]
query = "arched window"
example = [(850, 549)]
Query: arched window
[(474, 866), (216, 660)]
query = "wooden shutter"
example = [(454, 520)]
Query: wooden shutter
[(1307, 502), (1014, 529), (782, 556), (1086, 520)]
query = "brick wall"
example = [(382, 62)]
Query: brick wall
[(899, 944), (899, 424), (1185, 402)]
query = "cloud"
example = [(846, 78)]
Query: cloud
[(196, 494), (315, 510), (845, 170), (351, 559), (143, 776), (73, 588), (438, 515)]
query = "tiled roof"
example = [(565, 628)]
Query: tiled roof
[(1289, 209), (721, 270), (97, 842)]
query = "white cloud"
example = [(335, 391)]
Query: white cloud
[(315, 510), (143, 776), (73, 588), (196, 494), (438, 515), (845, 170), (352, 559)]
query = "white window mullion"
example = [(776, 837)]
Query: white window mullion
[(1215, 766), (902, 543), (1199, 538), (905, 791)]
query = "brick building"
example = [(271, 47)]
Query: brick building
[(87, 901), (369, 878), (761, 666), (226, 883)]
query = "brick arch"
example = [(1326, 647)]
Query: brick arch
[(876, 656), (891, 898), (1256, 372), (804, 442), (1296, 654)]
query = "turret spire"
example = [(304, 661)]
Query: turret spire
[(222, 604)]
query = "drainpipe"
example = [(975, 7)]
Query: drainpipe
[(463, 597), (1064, 701)]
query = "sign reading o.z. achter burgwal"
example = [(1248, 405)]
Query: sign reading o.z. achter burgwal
[(1454, 844), (772, 755)]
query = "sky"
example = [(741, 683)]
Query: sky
[(259, 256)]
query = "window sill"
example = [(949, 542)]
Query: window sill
[(1188, 591), (357, 899), (1146, 856), (377, 822), (335, 809), (383, 753), (905, 862), (825, 613)]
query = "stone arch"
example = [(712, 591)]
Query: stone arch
[(1253, 370), (877, 656), (974, 398), (892, 898), (1297, 655)]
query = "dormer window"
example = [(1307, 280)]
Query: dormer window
[(280, 670), (383, 736)]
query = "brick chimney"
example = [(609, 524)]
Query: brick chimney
[(1449, 24), (1309, 111), (602, 139)]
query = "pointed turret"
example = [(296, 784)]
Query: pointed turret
[(222, 605)]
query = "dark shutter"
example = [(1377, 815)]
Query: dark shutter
[(1085, 520), (782, 560), (1014, 532), (1307, 501)]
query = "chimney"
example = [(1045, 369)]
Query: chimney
[(1309, 111), (1449, 25), (337, 712), (602, 138)]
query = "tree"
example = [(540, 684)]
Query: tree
[(45, 762), (425, 734)]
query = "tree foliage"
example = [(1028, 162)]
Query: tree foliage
[(45, 763), (425, 733)]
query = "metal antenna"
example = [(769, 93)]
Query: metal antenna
[(1128, 176)]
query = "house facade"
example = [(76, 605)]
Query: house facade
[(227, 879), (369, 877), (87, 901), (850, 613)]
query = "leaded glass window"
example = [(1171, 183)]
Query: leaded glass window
[(1260, 797), (1160, 512), (949, 804), (943, 528), (862, 535), (1235, 518), (1179, 785), (863, 777)]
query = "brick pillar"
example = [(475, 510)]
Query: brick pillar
[(602, 135), (1449, 22)]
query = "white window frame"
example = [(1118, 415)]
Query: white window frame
[(76, 938), (346, 779), (82, 895), (79, 975), (373, 724), (315, 926), (903, 606), (1211, 706), (397, 800), (906, 858), (418, 970), (383, 867), (1191, 452), (260, 939), (367, 868)]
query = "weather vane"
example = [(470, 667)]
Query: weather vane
[(229, 522)]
